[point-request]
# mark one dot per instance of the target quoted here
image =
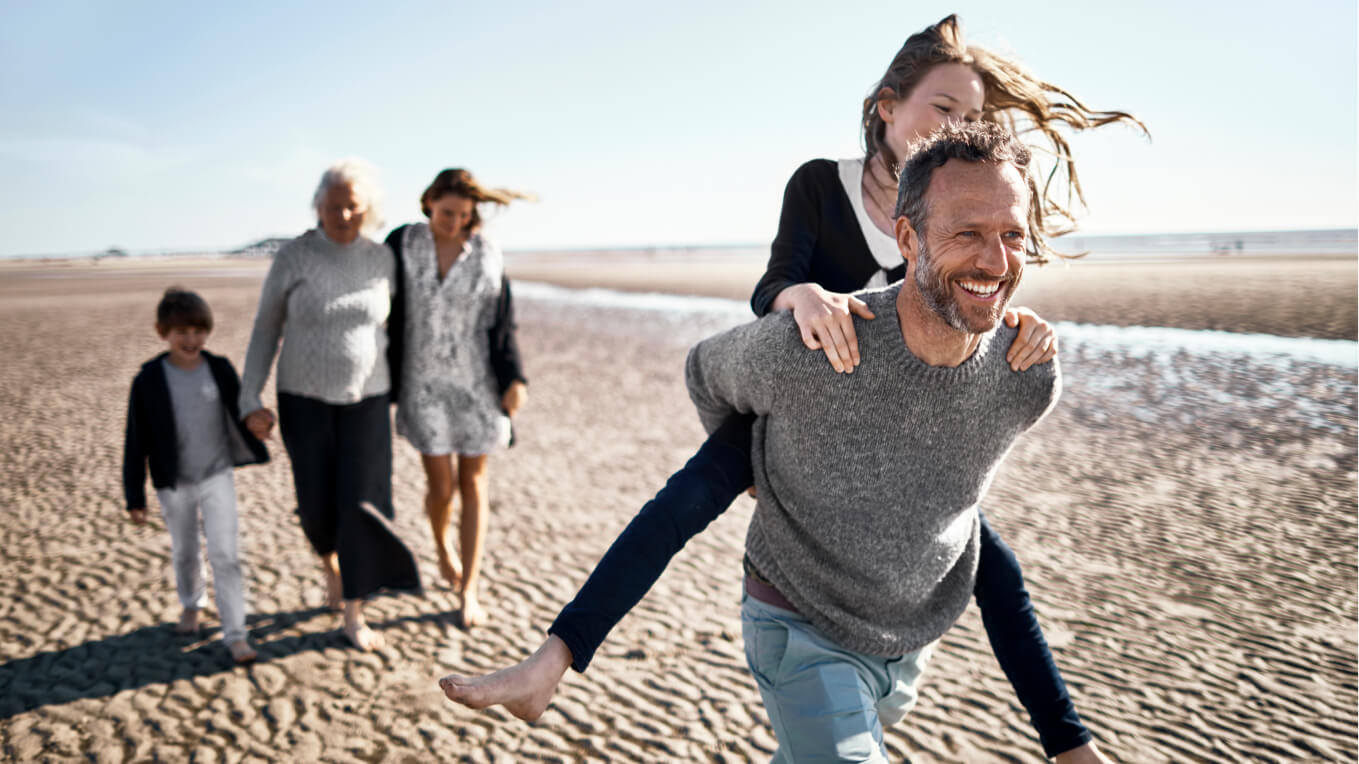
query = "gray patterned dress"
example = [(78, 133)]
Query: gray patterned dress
[(449, 402)]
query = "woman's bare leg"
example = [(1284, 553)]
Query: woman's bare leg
[(330, 568), (472, 482), (439, 507), (524, 689)]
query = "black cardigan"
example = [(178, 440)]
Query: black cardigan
[(151, 436), (504, 343), (819, 239)]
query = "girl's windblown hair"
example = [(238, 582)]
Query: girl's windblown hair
[(1028, 106)]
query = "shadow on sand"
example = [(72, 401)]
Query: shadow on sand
[(156, 654)]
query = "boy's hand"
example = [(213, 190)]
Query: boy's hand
[(138, 516), (260, 423)]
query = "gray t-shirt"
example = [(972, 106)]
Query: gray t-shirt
[(200, 422)]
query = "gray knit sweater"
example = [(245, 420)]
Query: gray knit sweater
[(869, 482), (329, 303)]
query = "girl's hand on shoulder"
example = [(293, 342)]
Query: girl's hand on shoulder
[(513, 399), (826, 322), (1036, 342)]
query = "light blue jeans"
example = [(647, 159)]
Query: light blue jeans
[(826, 703)]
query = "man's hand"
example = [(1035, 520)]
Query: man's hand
[(260, 423), (1036, 342), (1086, 754), (824, 319), (138, 516), (515, 396)]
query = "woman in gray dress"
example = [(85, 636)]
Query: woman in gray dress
[(457, 378)]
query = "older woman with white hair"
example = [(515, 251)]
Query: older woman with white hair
[(327, 296)]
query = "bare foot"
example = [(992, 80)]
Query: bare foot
[(188, 621), (472, 612), (364, 638), (242, 652), (448, 567), (357, 631), (524, 689)]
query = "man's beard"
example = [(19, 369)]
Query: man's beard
[(936, 290)]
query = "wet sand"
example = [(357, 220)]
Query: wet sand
[(1195, 570)]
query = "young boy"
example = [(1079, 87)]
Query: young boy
[(182, 420)]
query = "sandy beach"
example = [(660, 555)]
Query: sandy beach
[(1186, 520)]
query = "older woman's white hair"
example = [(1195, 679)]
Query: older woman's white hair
[(362, 177)]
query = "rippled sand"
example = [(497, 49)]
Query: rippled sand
[(1186, 521)]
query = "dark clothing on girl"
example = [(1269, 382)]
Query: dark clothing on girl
[(820, 240), (342, 472), (151, 438)]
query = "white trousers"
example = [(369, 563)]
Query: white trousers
[(214, 502)]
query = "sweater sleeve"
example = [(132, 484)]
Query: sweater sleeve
[(790, 256), (134, 452), (264, 338), (396, 319), (503, 336), (738, 371)]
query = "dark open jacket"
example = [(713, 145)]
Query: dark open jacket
[(504, 344), (151, 437)]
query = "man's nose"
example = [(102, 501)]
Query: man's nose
[(994, 258)]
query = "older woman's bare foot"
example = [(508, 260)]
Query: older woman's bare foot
[(356, 629), (188, 621), (524, 689), (472, 612)]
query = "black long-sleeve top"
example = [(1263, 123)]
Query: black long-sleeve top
[(151, 438), (819, 239)]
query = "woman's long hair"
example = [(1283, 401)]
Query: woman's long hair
[(459, 182), (1014, 98)]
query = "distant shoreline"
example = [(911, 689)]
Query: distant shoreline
[(1286, 295)]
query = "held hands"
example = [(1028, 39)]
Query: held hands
[(138, 516), (1036, 342), (513, 399), (260, 423), (824, 318)]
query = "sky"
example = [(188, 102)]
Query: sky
[(178, 126)]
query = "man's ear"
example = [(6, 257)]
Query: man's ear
[(907, 239)]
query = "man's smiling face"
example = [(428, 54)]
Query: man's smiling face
[(970, 255)]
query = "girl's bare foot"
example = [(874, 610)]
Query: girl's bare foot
[(524, 689), (242, 652), (472, 612), (357, 631), (188, 621)]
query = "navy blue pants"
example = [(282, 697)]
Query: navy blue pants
[(704, 488), (342, 472)]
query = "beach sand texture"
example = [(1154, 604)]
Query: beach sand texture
[(1186, 521)]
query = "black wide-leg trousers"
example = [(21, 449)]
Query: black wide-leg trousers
[(342, 473)]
